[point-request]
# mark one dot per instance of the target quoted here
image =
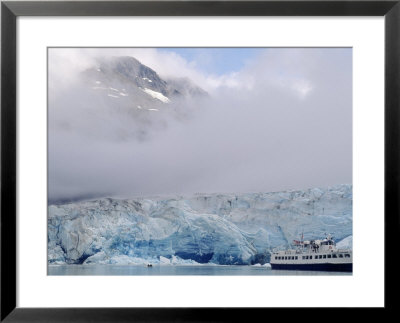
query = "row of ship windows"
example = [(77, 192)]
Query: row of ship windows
[(334, 255)]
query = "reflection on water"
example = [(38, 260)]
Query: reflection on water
[(135, 270)]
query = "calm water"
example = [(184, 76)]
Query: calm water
[(126, 270)]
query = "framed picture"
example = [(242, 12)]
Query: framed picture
[(153, 146)]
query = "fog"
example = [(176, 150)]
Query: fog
[(282, 122)]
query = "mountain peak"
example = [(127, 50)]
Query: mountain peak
[(126, 77)]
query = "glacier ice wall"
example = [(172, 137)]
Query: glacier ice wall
[(205, 228)]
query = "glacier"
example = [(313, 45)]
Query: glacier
[(218, 229)]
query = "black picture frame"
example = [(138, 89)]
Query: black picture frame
[(11, 10)]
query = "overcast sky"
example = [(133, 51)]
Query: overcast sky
[(277, 119)]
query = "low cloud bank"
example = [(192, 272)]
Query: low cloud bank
[(283, 122)]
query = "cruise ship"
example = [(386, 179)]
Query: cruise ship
[(318, 255)]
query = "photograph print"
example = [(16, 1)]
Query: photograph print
[(199, 161)]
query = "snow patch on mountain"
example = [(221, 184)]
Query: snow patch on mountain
[(157, 95)]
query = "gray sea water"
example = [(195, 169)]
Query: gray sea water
[(177, 270)]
